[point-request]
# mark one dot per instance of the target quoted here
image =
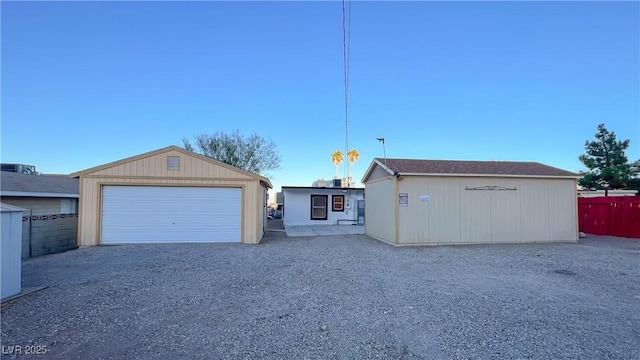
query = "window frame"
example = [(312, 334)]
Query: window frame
[(333, 203), (326, 207)]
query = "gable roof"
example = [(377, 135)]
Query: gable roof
[(262, 179), (18, 184), (467, 168)]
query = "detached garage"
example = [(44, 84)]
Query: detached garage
[(437, 202), (170, 195)]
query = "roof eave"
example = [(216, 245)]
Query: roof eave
[(77, 174), (169, 148), (492, 175), (372, 166), (266, 182), (37, 194)]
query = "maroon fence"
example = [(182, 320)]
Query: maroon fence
[(613, 215)]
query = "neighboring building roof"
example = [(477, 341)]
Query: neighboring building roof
[(321, 188), (601, 193), (263, 179), (17, 184), (467, 168)]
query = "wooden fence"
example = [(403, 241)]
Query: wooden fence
[(613, 215)]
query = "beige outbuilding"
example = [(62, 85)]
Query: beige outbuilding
[(434, 202), (170, 195)]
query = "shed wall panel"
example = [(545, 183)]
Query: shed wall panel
[(380, 209), (505, 214), (475, 216), (538, 210), (378, 173), (534, 210), (10, 253), (563, 221), (262, 212)]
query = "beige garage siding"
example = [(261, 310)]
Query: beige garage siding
[(151, 170), (380, 210), (262, 212), (539, 210), (191, 167)]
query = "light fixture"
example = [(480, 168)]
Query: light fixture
[(384, 150)]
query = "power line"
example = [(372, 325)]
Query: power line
[(346, 39)]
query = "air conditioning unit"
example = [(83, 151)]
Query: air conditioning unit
[(19, 168), (319, 183)]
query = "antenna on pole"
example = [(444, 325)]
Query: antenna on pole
[(384, 150)]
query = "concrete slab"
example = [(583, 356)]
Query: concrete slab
[(324, 230)]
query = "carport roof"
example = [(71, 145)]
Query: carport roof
[(467, 168)]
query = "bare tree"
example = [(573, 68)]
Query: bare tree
[(254, 153)]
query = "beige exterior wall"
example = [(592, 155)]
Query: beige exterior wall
[(262, 212), (380, 209), (152, 171), (377, 173), (540, 210), (41, 206), (191, 167)]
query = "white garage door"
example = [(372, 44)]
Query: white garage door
[(155, 214)]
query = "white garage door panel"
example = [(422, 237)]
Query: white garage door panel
[(154, 214)]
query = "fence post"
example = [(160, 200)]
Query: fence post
[(30, 233)]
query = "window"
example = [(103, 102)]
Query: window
[(338, 202), (319, 207), (68, 206), (173, 163), (65, 206)]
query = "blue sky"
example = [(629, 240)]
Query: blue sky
[(85, 83)]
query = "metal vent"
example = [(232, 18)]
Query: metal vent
[(173, 163)]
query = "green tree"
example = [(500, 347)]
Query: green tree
[(605, 158), (634, 182), (254, 153)]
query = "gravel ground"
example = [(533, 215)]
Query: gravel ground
[(347, 297)]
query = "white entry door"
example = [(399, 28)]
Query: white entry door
[(162, 214)]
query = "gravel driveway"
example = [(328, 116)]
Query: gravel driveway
[(343, 297)]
